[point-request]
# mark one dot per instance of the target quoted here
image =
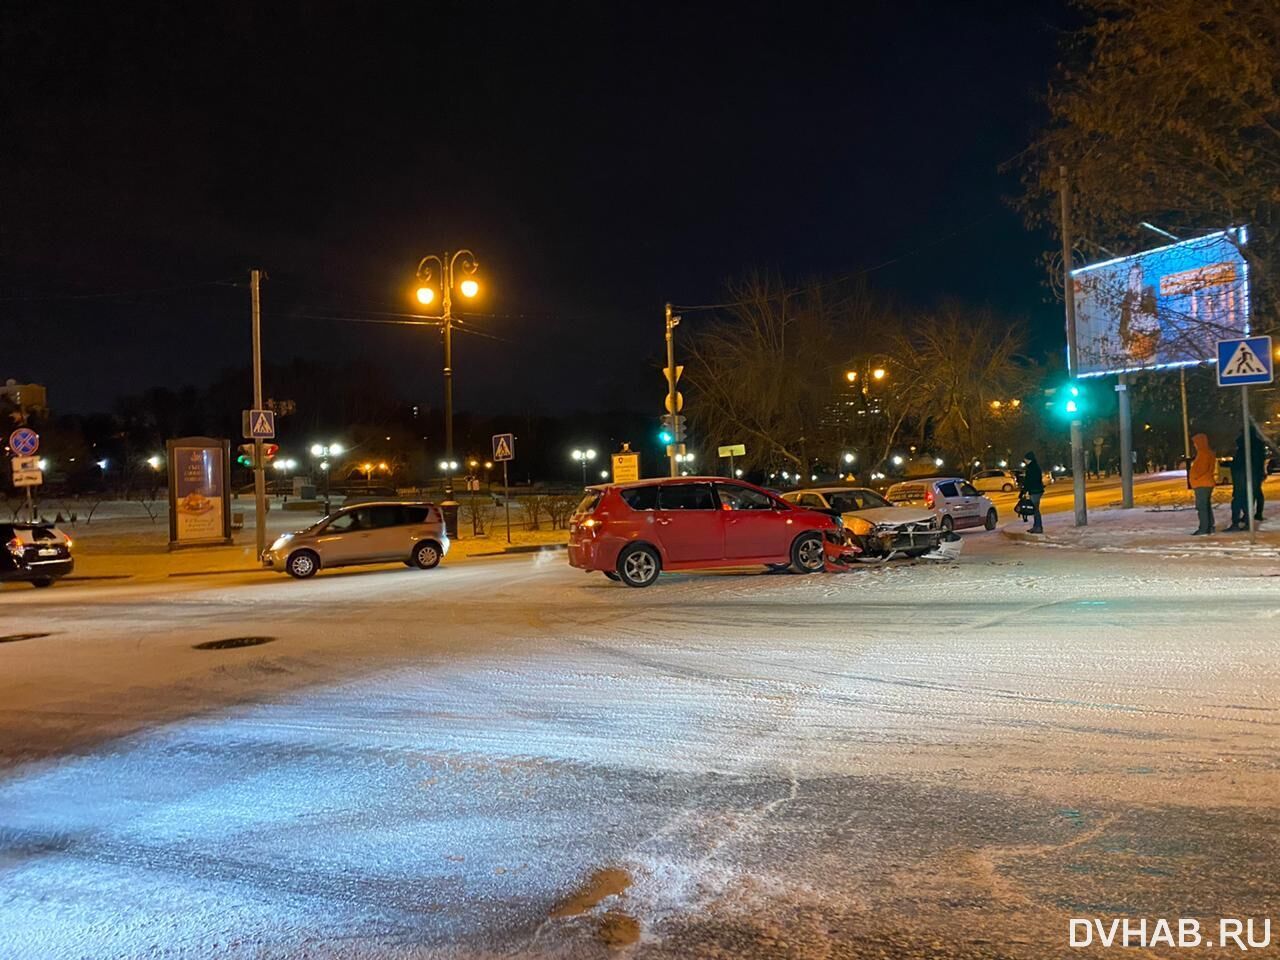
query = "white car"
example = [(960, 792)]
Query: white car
[(879, 528), (952, 499), (993, 481)]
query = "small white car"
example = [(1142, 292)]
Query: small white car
[(993, 481), (879, 528), (952, 499)]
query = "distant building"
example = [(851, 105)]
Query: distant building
[(25, 399)]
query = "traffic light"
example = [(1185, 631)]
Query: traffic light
[(269, 451), (678, 427), (667, 432), (1068, 401)]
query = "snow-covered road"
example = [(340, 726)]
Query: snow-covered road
[(513, 758)]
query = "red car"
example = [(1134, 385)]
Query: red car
[(633, 531)]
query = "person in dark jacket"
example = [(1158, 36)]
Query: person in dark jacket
[(1259, 464), (1033, 487), (1239, 492)]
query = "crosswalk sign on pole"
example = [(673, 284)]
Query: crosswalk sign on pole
[(1245, 361), (504, 447), (258, 424)]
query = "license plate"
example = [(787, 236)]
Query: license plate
[(48, 551)]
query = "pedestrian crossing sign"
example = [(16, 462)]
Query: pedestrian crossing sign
[(1245, 361), (259, 424), (504, 446)]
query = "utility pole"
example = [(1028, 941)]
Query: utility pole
[(672, 323), (1068, 296), (1248, 462), (1126, 441), (259, 468), (1186, 423)]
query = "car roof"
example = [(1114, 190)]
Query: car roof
[(385, 503), (651, 481), (930, 480), (825, 490)]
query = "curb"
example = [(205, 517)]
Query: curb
[(1021, 536), (524, 548)]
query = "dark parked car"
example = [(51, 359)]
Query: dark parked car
[(36, 553)]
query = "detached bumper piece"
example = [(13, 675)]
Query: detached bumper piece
[(841, 550)]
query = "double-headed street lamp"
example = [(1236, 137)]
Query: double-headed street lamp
[(584, 457), (444, 273), (323, 452)]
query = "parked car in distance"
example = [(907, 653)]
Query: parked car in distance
[(991, 481), (35, 553), (631, 532), (880, 528), (952, 499), (378, 532)]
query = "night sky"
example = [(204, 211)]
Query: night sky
[(600, 159)]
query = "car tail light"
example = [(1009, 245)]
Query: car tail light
[(15, 546), (928, 499), (592, 523)]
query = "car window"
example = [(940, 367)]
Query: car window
[(871, 499), (967, 490), (417, 514), (386, 516), (343, 522), (947, 490), (686, 496), (844, 502), (744, 498), (641, 498)]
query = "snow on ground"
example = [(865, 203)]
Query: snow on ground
[(912, 759)]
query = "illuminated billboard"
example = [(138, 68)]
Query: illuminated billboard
[(1165, 307)]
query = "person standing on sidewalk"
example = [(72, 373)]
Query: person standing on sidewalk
[(1239, 491), (1201, 476), (1259, 454), (1033, 487)]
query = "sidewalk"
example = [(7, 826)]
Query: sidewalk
[(1159, 524), (134, 548)]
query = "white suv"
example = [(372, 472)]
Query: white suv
[(952, 499), (990, 481)]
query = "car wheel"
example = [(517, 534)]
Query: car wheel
[(612, 575), (302, 564), (1007, 488), (808, 554), (638, 566), (947, 524), (43, 582), (426, 555), (992, 519)]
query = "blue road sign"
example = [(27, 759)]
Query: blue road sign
[(504, 446), (259, 425), (24, 442), (1245, 361)]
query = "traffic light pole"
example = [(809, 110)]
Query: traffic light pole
[(259, 468), (1126, 442), (1068, 297), (671, 388)]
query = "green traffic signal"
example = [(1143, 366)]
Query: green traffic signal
[(666, 436)]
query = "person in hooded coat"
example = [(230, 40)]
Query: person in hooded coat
[(1033, 486), (1202, 475)]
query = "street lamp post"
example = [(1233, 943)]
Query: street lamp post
[(444, 270), (584, 457), (323, 452)]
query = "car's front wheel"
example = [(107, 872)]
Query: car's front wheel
[(1007, 488), (808, 554), (426, 555), (639, 566), (992, 519), (947, 524), (302, 564)]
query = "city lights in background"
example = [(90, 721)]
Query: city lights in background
[(154, 462)]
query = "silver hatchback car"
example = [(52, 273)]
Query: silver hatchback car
[(413, 533), (952, 499)]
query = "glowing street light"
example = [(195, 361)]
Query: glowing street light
[(897, 459), (851, 376), (879, 373), (849, 458), (322, 452), (584, 457), (444, 271), (153, 462)]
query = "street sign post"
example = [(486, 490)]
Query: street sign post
[(1243, 361), (626, 465), (258, 424), (27, 472), (504, 451), (732, 450), (24, 442)]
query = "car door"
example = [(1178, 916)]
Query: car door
[(972, 503), (689, 523), (345, 538), (947, 502), (390, 537), (755, 525)]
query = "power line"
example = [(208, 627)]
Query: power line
[(120, 293)]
